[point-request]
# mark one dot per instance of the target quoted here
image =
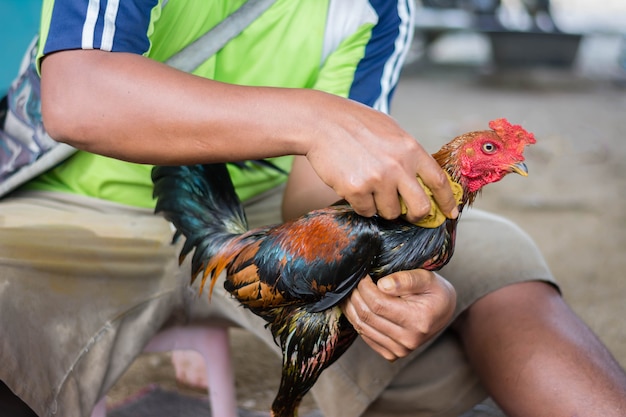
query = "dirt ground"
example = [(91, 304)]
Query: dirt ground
[(573, 203)]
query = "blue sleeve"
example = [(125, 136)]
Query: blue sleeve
[(110, 25)]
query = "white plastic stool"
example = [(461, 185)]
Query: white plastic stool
[(213, 344)]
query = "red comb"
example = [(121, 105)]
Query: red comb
[(511, 133)]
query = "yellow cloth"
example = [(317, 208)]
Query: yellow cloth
[(435, 217)]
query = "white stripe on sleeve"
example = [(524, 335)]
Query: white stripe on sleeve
[(108, 33), (89, 26)]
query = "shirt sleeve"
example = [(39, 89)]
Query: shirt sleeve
[(365, 65), (109, 25)]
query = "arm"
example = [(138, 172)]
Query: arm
[(132, 108)]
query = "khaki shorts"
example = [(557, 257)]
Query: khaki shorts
[(85, 284)]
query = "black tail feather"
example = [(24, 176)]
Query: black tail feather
[(263, 163), (201, 202)]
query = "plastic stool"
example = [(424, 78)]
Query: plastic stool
[(213, 344)]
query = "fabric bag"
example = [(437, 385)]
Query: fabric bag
[(26, 150)]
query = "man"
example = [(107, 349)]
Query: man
[(88, 274)]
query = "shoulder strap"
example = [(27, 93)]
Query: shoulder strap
[(194, 54)]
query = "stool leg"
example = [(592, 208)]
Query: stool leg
[(100, 409), (216, 353), (212, 343)]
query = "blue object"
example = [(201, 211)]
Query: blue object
[(19, 23)]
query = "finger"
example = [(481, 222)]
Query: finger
[(377, 332), (381, 350), (437, 181), (434, 295), (364, 318), (415, 199), (428, 297), (363, 205), (384, 319), (388, 204), (384, 313), (379, 342), (417, 281)]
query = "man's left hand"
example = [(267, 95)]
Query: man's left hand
[(401, 312)]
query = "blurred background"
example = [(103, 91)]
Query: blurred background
[(582, 36), (19, 22), (566, 33)]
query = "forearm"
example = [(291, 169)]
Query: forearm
[(132, 108)]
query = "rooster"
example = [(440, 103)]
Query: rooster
[(294, 275)]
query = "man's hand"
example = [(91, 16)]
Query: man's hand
[(402, 312), (370, 161)]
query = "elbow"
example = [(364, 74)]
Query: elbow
[(62, 106), (58, 115), (56, 125)]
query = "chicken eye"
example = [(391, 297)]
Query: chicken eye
[(489, 147)]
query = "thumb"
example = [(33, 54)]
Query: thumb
[(416, 281)]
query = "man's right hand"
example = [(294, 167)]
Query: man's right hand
[(369, 160)]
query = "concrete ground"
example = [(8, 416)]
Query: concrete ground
[(573, 203)]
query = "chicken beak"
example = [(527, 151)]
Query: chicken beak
[(520, 168)]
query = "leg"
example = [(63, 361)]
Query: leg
[(537, 358), (75, 314), (189, 366)]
